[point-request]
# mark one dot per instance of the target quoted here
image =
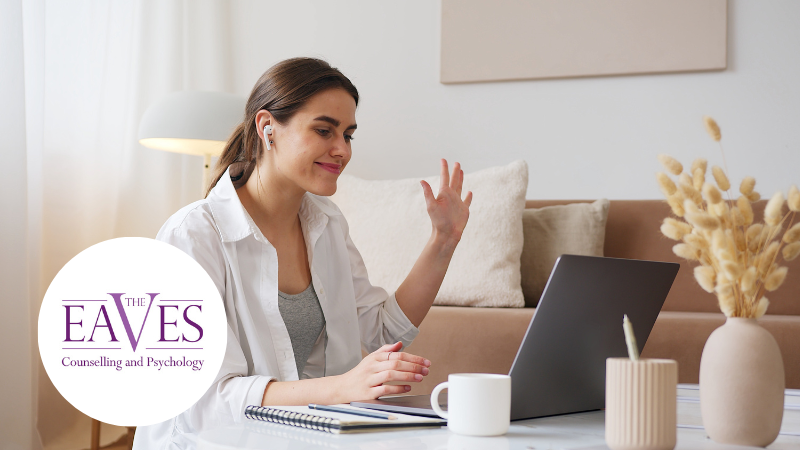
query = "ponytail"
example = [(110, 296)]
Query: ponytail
[(236, 152)]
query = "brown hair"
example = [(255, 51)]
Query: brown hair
[(282, 90)]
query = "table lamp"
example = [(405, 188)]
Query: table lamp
[(192, 122)]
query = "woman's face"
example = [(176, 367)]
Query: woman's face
[(313, 147)]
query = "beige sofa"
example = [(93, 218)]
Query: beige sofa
[(463, 339)]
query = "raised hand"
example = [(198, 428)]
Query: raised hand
[(388, 363), (448, 213)]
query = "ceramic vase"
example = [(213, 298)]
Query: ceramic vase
[(742, 384)]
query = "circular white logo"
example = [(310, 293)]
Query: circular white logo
[(132, 331)]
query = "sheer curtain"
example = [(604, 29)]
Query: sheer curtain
[(91, 70), (17, 365)]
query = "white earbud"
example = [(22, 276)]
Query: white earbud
[(267, 132)]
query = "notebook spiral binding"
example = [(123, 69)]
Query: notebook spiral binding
[(296, 419)]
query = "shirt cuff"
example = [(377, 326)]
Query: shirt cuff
[(256, 392), (398, 323)]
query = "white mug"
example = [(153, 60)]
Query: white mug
[(478, 404)]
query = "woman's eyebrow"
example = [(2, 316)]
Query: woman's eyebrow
[(335, 122)]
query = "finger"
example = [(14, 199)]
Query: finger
[(381, 353), (394, 375), (454, 175), (390, 389), (390, 347), (408, 357), (404, 366), (468, 200), (427, 192), (445, 177), (458, 179)]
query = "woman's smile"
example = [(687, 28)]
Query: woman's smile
[(334, 168)]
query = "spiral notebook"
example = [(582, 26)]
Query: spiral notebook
[(336, 423)]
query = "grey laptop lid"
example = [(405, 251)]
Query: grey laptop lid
[(560, 366)]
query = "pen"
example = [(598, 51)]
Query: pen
[(356, 412), (630, 338)]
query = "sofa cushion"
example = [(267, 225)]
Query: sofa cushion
[(389, 225), (552, 231)]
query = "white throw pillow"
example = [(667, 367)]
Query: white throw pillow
[(389, 225)]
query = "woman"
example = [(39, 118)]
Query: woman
[(298, 302)]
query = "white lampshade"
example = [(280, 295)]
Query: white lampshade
[(193, 122)]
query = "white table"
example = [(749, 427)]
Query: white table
[(583, 430)]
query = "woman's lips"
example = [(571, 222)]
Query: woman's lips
[(333, 168)]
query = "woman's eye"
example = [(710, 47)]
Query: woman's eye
[(323, 132), (348, 137)]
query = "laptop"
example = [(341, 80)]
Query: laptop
[(560, 365)]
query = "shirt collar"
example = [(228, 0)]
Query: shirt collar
[(234, 222)]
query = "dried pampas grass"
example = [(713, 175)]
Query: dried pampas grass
[(689, 191), (700, 163), (738, 217), (772, 212), (676, 203), (675, 229), (712, 128), (727, 304), (793, 199), (721, 178), (702, 220), (732, 270), (736, 256), (696, 240), (767, 257), (718, 241), (698, 178), (738, 239), (792, 234), (712, 194), (686, 251), (666, 184), (753, 235), (775, 278), (754, 197), (706, 278), (745, 209), (761, 307), (791, 251), (690, 206), (748, 281), (746, 188), (671, 164)]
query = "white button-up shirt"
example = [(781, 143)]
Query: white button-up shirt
[(220, 235)]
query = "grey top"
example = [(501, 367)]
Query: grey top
[(304, 321)]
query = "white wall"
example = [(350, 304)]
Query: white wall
[(582, 138), (16, 364)]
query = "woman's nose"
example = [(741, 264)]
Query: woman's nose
[(341, 148)]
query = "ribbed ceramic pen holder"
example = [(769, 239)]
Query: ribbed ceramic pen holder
[(641, 403)]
